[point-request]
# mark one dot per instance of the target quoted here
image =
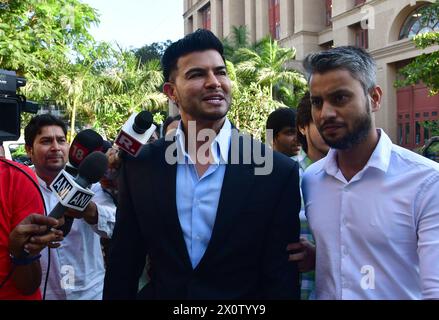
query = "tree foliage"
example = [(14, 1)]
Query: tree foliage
[(261, 80), (49, 43), (153, 51), (128, 86), (237, 39), (425, 67), (33, 33), (251, 105)]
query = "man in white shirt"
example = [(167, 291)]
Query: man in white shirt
[(77, 267), (373, 207)]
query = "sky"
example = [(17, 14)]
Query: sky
[(134, 23)]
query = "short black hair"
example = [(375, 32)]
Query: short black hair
[(303, 119), (168, 121), (200, 40), (281, 118), (34, 126)]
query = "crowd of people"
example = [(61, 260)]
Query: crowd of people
[(342, 212)]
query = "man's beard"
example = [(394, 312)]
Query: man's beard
[(361, 128)]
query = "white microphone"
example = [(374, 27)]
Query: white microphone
[(73, 192), (135, 133)]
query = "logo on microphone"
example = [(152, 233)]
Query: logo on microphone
[(128, 144), (78, 152), (80, 199), (69, 193), (62, 186)]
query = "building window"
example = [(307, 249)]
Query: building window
[(274, 18), (426, 134), (417, 133), (328, 21), (327, 45), (359, 2), (417, 23), (407, 133), (361, 36), (190, 24), (205, 14), (400, 141)]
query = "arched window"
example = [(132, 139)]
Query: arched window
[(417, 23)]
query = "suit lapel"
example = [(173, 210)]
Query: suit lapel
[(238, 179), (166, 187)]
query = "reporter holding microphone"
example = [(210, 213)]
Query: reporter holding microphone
[(76, 269), (23, 233)]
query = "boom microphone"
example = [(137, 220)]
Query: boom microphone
[(135, 133), (74, 193)]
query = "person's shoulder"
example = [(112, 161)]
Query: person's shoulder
[(406, 158), (313, 169), (282, 161), (149, 151), (17, 170)]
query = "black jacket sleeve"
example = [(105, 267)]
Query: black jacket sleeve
[(127, 249), (281, 277)]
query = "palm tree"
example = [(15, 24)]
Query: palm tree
[(237, 39), (130, 86), (78, 90), (265, 65)]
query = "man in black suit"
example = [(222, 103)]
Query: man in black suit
[(213, 221)]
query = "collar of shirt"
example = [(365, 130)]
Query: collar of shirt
[(219, 147), (41, 182), (302, 159), (379, 159)]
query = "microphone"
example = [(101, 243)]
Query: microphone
[(74, 193), (135, 133), (82, 145)]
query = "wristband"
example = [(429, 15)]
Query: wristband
[(23, 261)]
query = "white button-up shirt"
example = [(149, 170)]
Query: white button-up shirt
[(77, 267), (377, 236)]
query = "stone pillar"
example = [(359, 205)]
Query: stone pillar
[(188, 25), (286, 18), (233, 15), (341, 6), (250, 19), (216, 15), (262, 27)]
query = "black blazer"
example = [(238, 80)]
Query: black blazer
[(246, 257)]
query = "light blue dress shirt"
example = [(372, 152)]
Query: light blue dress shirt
[(198, 197)]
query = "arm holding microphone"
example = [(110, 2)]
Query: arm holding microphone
[(23, 232), (26, 241), (135, 133), (100, 212), (75, 196)]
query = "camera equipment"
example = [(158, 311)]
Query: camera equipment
[(12, 104)]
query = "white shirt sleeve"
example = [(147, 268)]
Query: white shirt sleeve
[(427, 209), (106, 212)]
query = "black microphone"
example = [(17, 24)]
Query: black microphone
[(135, 133), (82, 145), (74, 193)]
